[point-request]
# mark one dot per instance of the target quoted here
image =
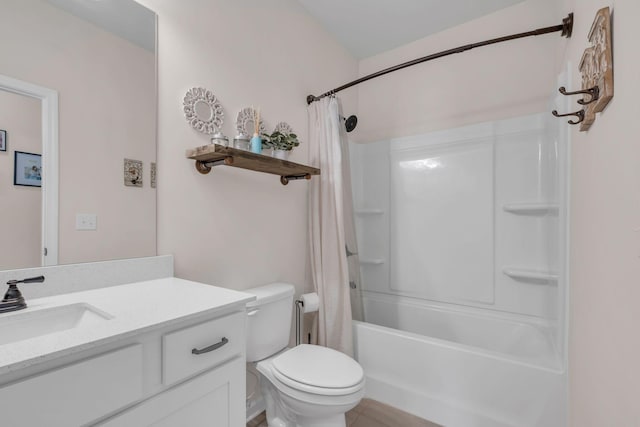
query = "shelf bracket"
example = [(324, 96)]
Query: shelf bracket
[(285, 179), (205, 167)]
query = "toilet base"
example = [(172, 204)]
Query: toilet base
[(281, 414), (335, 421)]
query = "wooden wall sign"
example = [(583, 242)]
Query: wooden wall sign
[(596, 67)]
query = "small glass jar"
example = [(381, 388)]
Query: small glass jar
[(242, 142), (220, 139)]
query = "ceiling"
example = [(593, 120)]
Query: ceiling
[(368, 27), (124, 18)]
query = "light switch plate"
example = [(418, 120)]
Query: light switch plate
[(86, 221)]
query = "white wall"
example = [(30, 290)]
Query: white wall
[(20, 226), (238, 228), (101, 79), (605, 242), (489, 83)]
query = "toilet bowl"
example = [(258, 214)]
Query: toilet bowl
[(303, 386)]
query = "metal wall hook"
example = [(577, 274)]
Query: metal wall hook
[(593, 92), (578, 114)]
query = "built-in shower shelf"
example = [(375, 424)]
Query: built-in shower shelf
[(531, 208), (530, 275), (372, 261), (368, 212), (208, 156)]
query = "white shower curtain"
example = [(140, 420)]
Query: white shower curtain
[(327, 241)]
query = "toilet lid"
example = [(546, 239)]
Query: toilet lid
[(319, 367)]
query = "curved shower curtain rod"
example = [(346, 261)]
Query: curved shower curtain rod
[(566, 28)]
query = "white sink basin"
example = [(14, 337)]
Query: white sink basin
[(23, 326)]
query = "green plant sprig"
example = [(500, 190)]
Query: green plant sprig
[(280, 141)]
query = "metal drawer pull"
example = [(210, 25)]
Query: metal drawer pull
[(211, 347)]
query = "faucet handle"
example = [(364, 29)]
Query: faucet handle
[(37, 279), (13, 299)]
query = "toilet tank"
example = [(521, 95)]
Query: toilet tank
[(269, 320)]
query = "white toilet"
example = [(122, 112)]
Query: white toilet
[(305, 386)]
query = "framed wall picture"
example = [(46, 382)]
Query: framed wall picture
[(3, 140), (27, 169)]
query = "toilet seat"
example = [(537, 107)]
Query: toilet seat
[(318, 370)]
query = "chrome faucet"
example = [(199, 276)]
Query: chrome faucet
[(13, 299)]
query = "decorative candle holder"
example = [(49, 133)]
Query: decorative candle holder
[(220, 139), (242, 142)]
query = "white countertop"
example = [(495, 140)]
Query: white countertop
[(134, 308)]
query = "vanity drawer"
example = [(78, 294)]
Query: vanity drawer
[(216, 341)]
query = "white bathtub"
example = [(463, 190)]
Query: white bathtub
[(463, 369), (521, 338)]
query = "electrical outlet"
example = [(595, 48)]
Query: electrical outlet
[(86, 222)]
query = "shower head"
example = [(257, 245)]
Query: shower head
[(350, 123)]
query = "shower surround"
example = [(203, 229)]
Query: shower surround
[(462, 245)]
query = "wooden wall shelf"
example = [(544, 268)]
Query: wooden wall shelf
[(208, 156)]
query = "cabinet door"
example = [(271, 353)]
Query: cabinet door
[(213, 399), (74, 394)]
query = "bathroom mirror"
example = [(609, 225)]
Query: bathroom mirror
[(245, 122), (96, 62), (204, 111)]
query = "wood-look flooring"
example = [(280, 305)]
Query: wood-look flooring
[(369, 413)]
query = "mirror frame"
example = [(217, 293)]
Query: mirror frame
[(49, 112)]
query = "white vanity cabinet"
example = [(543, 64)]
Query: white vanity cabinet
[(214, 397), (184, 368)]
